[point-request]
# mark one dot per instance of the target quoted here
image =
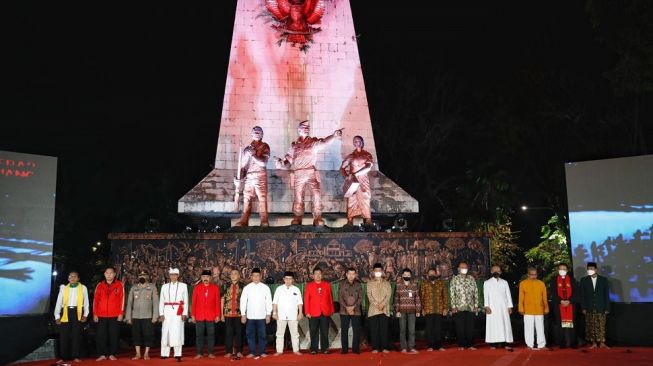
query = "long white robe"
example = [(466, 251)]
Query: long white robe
[(496, 293), (172, 330)]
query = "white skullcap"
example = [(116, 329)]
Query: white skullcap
[(173, 271)]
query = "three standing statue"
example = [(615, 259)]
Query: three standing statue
[(300, 160)]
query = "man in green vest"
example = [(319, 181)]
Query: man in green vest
[(70, 312)]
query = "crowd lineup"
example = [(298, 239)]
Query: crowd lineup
[(249, 307)]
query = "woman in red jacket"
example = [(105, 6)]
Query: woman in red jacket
[(318, 307), (108, 306)]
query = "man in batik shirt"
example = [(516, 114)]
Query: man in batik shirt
[(464, 306)]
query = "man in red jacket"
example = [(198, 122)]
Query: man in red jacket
[(318, 307), (205, 312), (108, 306)]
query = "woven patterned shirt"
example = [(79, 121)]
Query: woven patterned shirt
[(434, 296), (407, 299), (464, 293)]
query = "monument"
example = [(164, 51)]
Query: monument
[(291, 61)]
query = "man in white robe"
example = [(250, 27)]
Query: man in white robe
[(498, 307), (173, 307)]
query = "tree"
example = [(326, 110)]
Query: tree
[(503, 249), (553, 250)]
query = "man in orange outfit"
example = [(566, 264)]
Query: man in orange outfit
[(533, 305)]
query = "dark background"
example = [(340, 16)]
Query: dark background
[(475, 107)]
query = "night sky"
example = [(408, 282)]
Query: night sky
[(129, 99)]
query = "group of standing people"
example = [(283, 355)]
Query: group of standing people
[(253, 306)]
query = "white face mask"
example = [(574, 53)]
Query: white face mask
[(591, 272), (463, 271), (378, 274), (562, 272)]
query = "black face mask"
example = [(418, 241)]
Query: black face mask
[(141, 280), (496, 274), (406, 279), (433, 278)]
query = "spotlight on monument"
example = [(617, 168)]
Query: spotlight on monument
[(188, 229), (449, 224), (152, 225), (204, 226), (216, 229), (400, 223), (524, 208), (361, 228)]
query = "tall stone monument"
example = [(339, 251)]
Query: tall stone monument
[(275, 84)]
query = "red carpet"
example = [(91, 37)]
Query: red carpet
[(635, 356)]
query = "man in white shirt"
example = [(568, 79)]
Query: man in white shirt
[(255, 307), (287, 310), (70, 312), (173, 307)]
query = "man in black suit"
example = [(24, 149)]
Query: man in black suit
[(595, 302), (564, 299)]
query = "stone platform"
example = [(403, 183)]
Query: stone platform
[(214, 196)]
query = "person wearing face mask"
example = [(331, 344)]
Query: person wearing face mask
[(378, 294), (435, 306), (205, 312), (408, 307), (533, 305), (595, 303), (498, 307), (142, 313), (564, 296), (464, 305)]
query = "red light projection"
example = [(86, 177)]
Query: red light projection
[(17, 168), (293, 19)]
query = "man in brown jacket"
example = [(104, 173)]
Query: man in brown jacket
[(435, 306)]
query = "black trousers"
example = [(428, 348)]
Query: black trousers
[(464, 328), (355, 321), (378, 331), (321, 324), (200, 327), (143, 332), (107, 336), (70, 336), (433, 328), (565, 337), (233, 335)]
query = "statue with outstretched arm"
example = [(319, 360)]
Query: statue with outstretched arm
[(301, 159), (254, 176), (355, 167)]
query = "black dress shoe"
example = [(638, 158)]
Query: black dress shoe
[(357, 352), (343, 352), (325, 352), (178, 358), (313, 352), (164, 357)]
